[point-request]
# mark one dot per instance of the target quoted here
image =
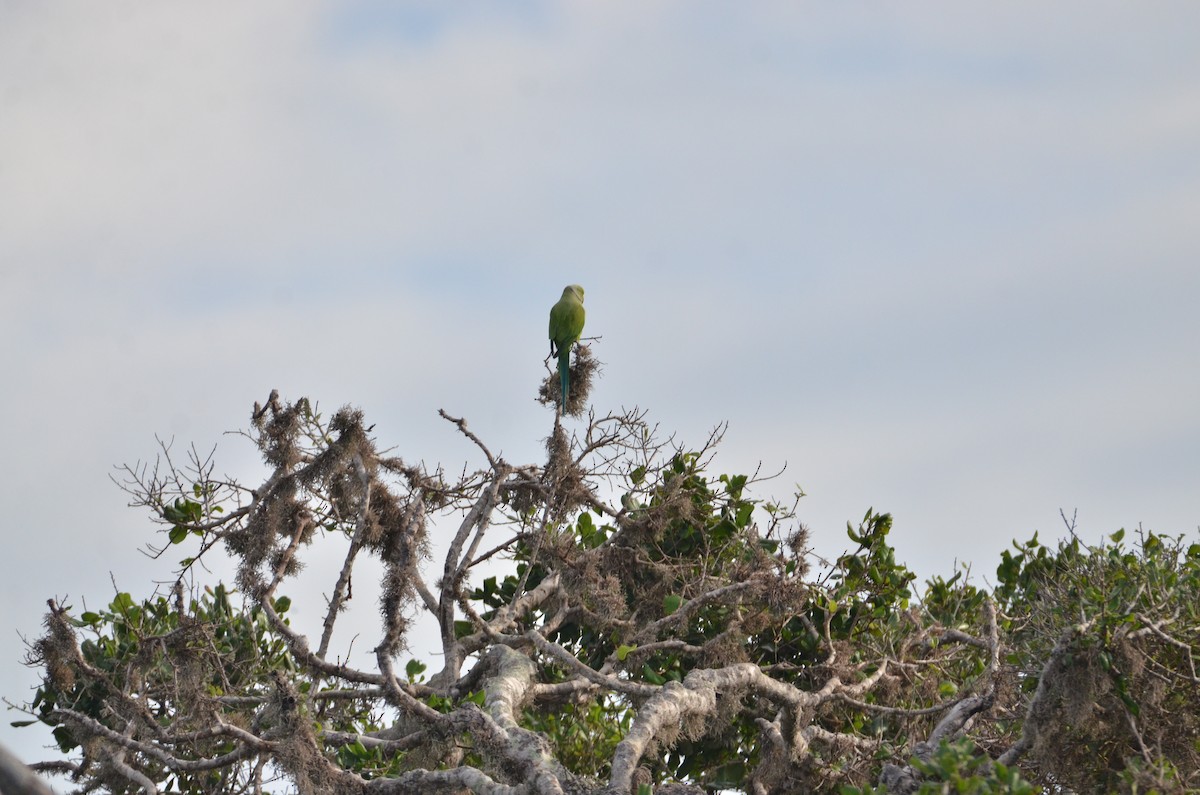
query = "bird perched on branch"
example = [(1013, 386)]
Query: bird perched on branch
[(566, 326)]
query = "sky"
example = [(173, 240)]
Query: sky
[(938, 259)]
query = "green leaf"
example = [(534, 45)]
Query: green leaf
[(623, 651), (671, 603), (177, 534), (64, 738), (1130, 704), (637, 475), (652, 676), (282, 604), (413, 669), (1117, 536), (17, 724)]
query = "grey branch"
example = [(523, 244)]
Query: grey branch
[(17, 779), (697, 695)]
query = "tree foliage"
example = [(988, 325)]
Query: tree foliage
[(614, 619)]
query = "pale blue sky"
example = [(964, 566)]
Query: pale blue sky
[(939, 260)]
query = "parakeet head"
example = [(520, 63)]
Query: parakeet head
[(573, 288)]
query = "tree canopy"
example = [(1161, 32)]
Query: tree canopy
[(650, 626)]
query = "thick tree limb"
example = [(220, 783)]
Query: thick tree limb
[(17, 779), (697, 695)]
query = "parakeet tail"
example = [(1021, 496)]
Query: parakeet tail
[(564, 375)]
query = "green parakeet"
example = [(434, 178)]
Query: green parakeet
[(566, 325)]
